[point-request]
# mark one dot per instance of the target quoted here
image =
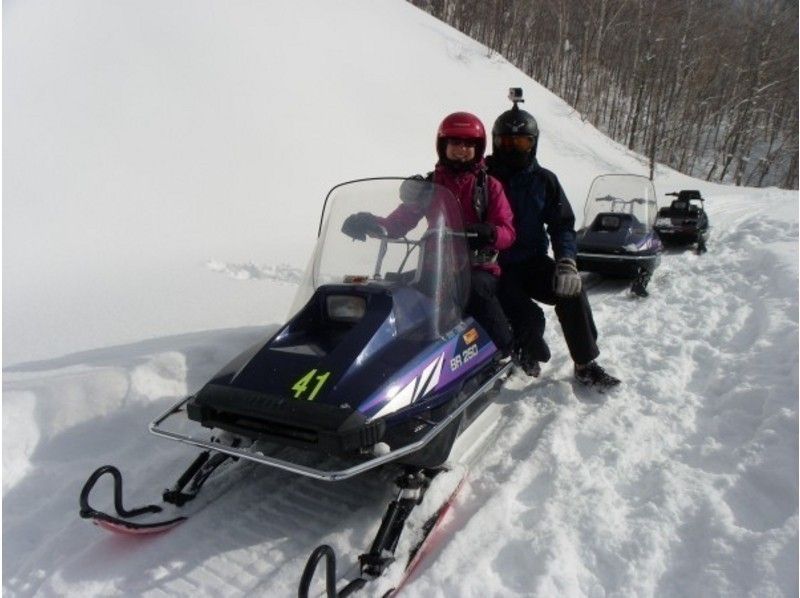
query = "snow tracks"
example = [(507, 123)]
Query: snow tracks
[(682, 482)]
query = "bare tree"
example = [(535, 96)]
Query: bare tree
[(706, 86)]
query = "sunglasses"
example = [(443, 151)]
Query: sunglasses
[(464, 142), (521, 143)]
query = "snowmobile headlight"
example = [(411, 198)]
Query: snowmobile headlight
[(345, 308), (663, 222)]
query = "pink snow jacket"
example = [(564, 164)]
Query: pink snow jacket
[(462, 186)]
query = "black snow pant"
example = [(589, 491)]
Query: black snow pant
[(533, 279), (484, 305)]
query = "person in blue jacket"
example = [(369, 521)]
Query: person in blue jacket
[(542, 217)]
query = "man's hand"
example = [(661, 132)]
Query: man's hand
[(358, 226), (480, 235), (566, 281)]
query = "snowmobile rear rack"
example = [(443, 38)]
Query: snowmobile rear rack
[(249, 453)]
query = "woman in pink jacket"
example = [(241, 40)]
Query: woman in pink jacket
[(487, 217)]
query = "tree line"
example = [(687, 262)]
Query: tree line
[(708, 87)]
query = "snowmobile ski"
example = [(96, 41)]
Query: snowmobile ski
[(134, 521), (413, 487), (431, 537)]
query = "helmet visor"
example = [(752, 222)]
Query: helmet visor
[(519, 143)]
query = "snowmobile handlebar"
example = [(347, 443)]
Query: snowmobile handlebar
[(383, 234), (687, 194)]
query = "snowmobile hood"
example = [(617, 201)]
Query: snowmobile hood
[(616, 233)]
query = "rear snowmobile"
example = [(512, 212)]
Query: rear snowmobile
[(685, 221), (377, 366), (617, 238)]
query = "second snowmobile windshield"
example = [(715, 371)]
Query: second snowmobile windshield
[(413, 236), (622, 194)]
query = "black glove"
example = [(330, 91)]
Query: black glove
[(480, 235), (358, 226)]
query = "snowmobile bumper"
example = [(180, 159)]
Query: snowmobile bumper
[(612, 264), (174, 424), (681, 235)]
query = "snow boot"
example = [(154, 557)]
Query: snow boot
[(592, 374), (527, 363)]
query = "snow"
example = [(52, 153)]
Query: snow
[(165, 165)]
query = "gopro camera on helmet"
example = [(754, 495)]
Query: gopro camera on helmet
[(515, 123)]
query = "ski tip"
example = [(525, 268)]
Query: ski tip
[(133, 529)]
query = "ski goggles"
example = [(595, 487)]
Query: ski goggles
[(520, 143), (465, 142)]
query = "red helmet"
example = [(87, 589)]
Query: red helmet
[(461, 125)]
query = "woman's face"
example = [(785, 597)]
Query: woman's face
[(460, 150)]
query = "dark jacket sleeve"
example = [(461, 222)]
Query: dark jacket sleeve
[(559, 219)]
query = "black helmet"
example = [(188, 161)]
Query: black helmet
[(515, 136), (515, 122)]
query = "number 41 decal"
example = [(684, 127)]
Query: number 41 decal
[(301, 386)]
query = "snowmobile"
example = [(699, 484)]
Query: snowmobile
[(617, 238), (685, 220), (377, 366)]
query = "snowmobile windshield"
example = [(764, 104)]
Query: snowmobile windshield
[(621, 194), (392, 232)]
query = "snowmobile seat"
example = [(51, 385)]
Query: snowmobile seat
[(612, 221), (679, 207), (687, 194)]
